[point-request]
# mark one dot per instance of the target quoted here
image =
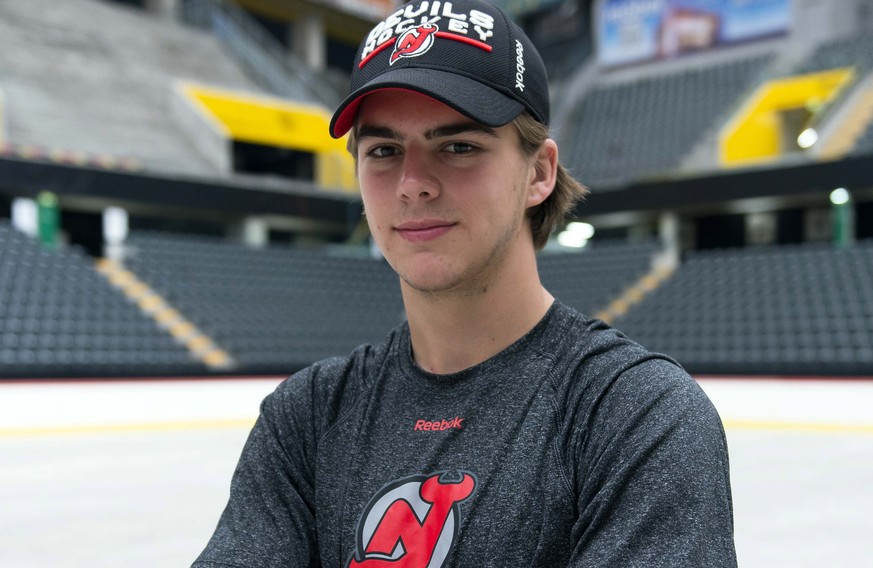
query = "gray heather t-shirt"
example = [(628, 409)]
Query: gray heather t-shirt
[(573, 447)]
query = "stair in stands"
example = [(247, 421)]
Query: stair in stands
[(635, 293), (856, 118), (153, 305)]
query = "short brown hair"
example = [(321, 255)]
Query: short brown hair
[(548, 214), (567, 193)]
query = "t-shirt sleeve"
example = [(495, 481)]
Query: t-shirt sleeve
[(270, 517), (651, 474)]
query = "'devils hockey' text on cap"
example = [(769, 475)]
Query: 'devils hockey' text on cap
[(466, 54)]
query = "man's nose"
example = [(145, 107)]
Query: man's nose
[(417, 178)]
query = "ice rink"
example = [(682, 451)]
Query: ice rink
[(136, 473)]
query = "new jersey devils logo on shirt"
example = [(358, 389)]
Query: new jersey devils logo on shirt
[(412, 522), (413, 42)]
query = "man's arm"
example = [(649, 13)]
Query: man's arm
[(270, 517), (653, 482)]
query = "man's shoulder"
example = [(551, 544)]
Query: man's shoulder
[(580, 338), (328, 386), (591, 354), (607, 383), (355, 367)]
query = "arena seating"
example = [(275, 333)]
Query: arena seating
[(59, 317), (645, 127), (564, 57), (273, 309), (590, 279), (799, 309), (855, 51), (276, 309), (864, 144), (97, 78)]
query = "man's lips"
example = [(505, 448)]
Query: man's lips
[(424, 230)]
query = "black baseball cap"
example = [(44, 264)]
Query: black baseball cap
[(467, 54)]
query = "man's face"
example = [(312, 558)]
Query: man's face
[(445, 197)]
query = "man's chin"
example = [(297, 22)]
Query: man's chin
[(429, 286), (447, 286), (430, 279)]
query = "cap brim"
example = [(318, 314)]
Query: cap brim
[(468, 96)]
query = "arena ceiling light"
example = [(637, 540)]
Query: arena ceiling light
[(840, 196), (576, 235), (807, 138)]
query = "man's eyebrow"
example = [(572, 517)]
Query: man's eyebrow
[(367, 131), (374, 131), (459, 128)]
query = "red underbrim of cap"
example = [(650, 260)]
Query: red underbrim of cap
[(471, 98)]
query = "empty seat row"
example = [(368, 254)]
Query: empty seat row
[(60, 317), (734, 311), (789, 309), (274, 308), (644, 128), (588, 280)]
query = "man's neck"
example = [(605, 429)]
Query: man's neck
[(453, 331)]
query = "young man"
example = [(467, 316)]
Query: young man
[(497, 427)]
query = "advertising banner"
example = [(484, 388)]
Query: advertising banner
[(635, 31)]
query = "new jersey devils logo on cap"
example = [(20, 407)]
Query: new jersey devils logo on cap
[(412, 522), (414, 41)]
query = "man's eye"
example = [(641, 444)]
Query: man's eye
[(381, 152), (459, 148)]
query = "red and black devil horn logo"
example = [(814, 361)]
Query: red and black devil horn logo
[(412, 522), (413, 42)]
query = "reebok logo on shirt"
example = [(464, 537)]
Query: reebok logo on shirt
[(438, 425)]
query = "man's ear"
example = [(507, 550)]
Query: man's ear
[(543, 173)]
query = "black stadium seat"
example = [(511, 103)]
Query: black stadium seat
[(798, 309), (59, 317), (273, 309)]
